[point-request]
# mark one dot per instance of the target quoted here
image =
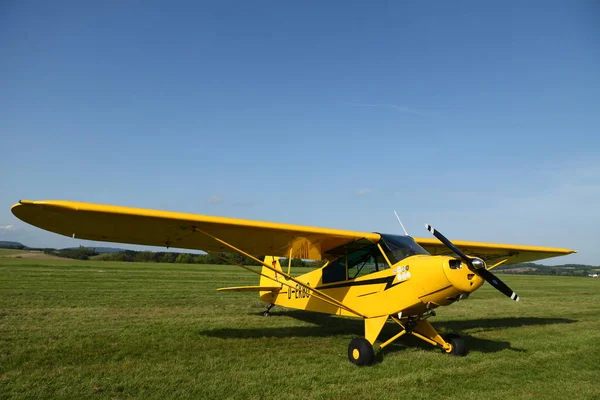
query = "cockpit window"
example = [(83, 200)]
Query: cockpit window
[(372, 263), (400, 247), (355, 259)]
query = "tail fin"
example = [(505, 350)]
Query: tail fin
[(270, 278)]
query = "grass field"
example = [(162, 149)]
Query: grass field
[(89, 329)]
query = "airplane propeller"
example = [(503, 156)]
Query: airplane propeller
[(476, 265)]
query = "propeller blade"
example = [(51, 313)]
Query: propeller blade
[(482, 272), (497, 283), (449, 245)]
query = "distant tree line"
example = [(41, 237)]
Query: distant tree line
[(80, 253), (180, 258), (85, 253), (189, 258)]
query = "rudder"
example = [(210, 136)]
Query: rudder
[(270, 278)]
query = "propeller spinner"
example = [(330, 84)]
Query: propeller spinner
[(476, 265)]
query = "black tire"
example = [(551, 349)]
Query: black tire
[(459, 347), (360, 352)]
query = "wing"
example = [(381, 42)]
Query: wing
[(494, 253), (163, 228)]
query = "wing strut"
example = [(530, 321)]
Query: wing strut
[(317, 293), (502, 262)]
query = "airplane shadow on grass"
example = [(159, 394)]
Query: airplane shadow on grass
[(324, 325)]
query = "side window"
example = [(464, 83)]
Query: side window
[(359, 262), (380, 261), (367, 266), (335, 271)]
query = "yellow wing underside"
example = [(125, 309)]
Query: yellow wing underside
[(189, 231), (494, 253), (186, 231)]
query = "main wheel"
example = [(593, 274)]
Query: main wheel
[(360, 351), (459, 347)]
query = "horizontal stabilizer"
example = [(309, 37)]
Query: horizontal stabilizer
[(252, 289)]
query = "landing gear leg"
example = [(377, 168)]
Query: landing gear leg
[(267, 312), (360, 350), (451, 344)]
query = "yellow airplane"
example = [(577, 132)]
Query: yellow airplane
[(373, 276)]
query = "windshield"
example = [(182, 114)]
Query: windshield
[(399, 247)]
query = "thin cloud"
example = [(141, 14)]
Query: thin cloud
[(362, 192), (249, 203), (402, 109), (6, 227), (215, 200)]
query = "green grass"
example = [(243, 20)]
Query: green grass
[(89, 329)]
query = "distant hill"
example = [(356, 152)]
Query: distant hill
[(534, 265), (12, 245), (539, 269), (5, 244)]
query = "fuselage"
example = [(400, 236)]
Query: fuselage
[(411, 286)]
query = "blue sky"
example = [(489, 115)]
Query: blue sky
[(481, 118)]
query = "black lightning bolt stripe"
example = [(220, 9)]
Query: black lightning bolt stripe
[(387, 280)]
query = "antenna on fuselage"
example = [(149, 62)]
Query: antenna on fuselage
[(401, 224)]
